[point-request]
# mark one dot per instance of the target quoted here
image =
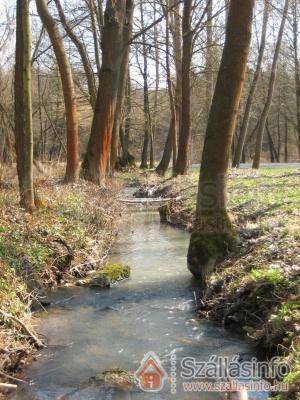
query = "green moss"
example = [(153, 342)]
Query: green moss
[(105, 276), (205, 248), (116, 272)]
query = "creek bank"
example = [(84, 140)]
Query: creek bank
[(67, 238), (255, 290)]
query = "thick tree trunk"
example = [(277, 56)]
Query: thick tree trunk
[(122, 87), (23, 107), (297, 66), (185, 128), (265, 112), (82, 52), (96, 158), (69, 93), (248, 108), (213, 232), (171, 138)]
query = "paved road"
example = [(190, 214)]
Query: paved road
[(265, 165)]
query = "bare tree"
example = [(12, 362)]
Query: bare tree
[(23, 107), (162, 167), (248, 108), (185, 128), (82, 52), (297, 66), (122, 86), (147, 115), (68, 89), (266, 109), (96, 158)]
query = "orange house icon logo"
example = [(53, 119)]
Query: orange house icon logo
[(151, 374)]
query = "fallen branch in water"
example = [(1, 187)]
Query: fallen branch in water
[(38, 343), (149, 200), (8, 386)]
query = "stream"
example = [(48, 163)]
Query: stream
[(93, 330)]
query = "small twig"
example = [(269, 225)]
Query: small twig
[(12, 378), (38, 343)]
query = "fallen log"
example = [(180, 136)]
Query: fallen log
[(149, 200)]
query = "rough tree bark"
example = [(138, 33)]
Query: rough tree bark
[(185, 128), (82, 52), (69, 93), (266, 109), (248, 108), (23, 107), (122, 86), (96, 158), (163, 166), (213, 232)]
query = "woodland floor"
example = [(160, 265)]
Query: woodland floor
[(68, 236), (255, 290)]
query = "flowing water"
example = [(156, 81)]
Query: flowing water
[(92, 330)]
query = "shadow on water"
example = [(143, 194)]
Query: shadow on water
[(92, 330)]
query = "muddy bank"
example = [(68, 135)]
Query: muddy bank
[(67, 238), (255, 290)]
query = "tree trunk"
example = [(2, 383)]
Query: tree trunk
[(23, 107), (286, 142), (68, 90), (122, 87), (96, 158), (147, 116), (209, 57), (171, 138), (127, 159), (185, 128), (213, 232), (297, 68), (157, 81), (257, 73), (271, 145), (177, 44), (265, 112)]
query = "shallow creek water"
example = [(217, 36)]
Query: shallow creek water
[(92, 330)]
